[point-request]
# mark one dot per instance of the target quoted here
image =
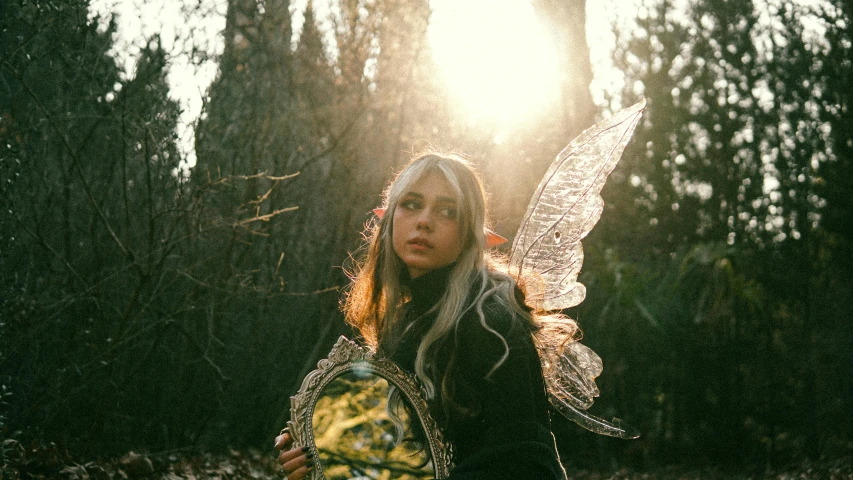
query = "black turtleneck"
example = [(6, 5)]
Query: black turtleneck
[(425, 292), (498, 423), (428, 289)]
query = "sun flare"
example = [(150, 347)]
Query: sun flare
[(495, 57)]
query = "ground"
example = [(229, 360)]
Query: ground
[(49, 461)]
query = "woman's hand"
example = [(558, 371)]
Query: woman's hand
[(296, 462)]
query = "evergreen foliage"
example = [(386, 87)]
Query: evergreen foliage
[(730, 281), (144, 308)]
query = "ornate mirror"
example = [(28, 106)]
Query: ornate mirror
[(365, 418)]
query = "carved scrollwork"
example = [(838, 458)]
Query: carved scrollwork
[(350, 358)]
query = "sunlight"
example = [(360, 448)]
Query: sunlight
[(496, 59), (495, 56)]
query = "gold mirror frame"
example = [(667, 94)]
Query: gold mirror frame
[(348, 356)]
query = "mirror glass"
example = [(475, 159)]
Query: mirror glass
[(362, 417), (363, 429)]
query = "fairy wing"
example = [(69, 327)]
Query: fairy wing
[(548, 254), (565, 207), (572, 389)]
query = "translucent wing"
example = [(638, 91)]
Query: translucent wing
[(565, 207), (547, 253), (570, 378)]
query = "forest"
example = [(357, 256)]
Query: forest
[(147, 306)]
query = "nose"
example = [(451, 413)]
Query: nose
[(424, 220)]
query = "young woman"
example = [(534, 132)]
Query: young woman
[(429, 296)]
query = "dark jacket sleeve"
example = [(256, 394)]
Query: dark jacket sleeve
[(507, 433)]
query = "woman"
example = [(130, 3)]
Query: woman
[(428, 296)]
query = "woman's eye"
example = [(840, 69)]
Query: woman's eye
[(448, 212), (410, 204)]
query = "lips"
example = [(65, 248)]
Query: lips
[(420, 242)]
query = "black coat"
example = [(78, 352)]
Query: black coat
[(498, 423)]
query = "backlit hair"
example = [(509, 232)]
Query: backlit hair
[(374, 302)]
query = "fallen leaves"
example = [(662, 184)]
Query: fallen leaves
[(43, 461), (50, 461)]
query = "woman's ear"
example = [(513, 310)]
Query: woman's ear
[(493, 239)]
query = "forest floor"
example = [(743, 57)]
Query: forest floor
[(49, 462)]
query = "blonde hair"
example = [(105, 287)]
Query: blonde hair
[(374, 302)]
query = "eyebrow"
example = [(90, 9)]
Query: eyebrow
[(440, 199)]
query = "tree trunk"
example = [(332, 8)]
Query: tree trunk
[(566, 19)]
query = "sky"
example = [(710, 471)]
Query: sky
[(494, 77), (138, 20), (467, 37)]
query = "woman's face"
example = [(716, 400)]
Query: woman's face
[(426, 229)]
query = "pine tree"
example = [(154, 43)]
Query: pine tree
[(92, 198), (719, 236)]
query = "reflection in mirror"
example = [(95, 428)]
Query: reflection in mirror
[(362, 417), (363, 429)]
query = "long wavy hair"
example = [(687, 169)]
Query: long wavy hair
[(374, 302)]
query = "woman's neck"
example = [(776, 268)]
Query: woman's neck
[(427, 289)]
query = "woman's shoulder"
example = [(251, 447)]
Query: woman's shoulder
[(496, 336), (498, 313), (496, 308)]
